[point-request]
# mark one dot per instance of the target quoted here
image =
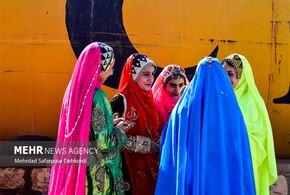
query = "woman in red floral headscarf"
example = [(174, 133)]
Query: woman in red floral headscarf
[(135, 104)]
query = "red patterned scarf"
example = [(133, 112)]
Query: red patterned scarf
[(141, 109)]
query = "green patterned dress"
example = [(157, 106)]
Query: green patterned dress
[(104, 173)]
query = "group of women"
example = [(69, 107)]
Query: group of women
[(208, 142)]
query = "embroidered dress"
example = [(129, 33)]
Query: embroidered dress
[(75, 122), (139, 107), (105, 176), (205, 150), (258, 126)]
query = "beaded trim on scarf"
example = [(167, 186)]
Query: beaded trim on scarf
[(67, 134)]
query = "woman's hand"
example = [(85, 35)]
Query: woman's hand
[(116, 121), (125, 125)]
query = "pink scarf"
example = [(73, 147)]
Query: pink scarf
[(74, 123), (164, 102), (164, 106)]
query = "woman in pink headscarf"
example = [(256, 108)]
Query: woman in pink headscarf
[(166, 91), (86, 115)]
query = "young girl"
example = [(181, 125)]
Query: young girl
[(166, 91)]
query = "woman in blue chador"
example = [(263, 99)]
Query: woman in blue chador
[(205, 148)]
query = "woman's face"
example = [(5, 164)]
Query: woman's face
[(173, 87), (110, 70), (232, 74), (146, 79)]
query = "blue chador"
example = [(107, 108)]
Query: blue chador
[(205, 148)]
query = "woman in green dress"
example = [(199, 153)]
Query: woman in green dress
[(86, 118), (104, 175)]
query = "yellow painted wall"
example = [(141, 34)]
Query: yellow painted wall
[(185, 31), (37, 60), (36, 64)]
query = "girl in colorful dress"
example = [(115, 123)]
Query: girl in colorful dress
[(166, 91)]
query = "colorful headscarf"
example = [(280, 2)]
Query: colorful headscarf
[(204, 149), (139, 63), (164, 102), (235, 61), (258, 127), (107, 55), (141, 110), (74, 123)]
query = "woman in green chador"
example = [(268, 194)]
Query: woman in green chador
[(257, 121)]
